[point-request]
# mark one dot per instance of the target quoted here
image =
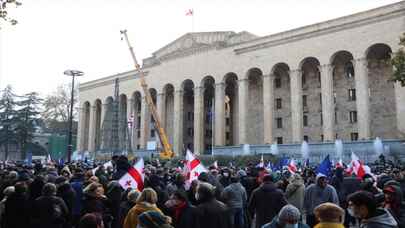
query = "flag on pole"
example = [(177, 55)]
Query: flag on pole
[(325, 167), (269, 166), (190, 12), (261, 163), (339, 164), (135, 176), (292, 167), (193, 168), (215, 164), (356, 167)]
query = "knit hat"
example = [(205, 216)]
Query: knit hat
[(152, 219), (289, 213), (329, 212)]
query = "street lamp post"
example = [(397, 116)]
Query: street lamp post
[(73, 74)]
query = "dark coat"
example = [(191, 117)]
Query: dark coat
[(124, 209), (77, 186), (66, 192), (187, 218), (92, 204), (44, 213), (114, 193), (266, 201), (213, 214), (17, 211)]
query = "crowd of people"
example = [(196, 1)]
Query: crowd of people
[(78, 196)]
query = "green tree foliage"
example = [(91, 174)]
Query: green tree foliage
[(8, 118), (27, 119), (398, 62)]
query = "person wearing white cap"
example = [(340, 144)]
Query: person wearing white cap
[(288, 217)]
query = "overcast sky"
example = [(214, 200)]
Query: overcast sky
[(55, 35)]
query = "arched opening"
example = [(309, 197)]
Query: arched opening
[(86, 125), (231, 109), (107, 125), (136, 134), (311, 100), (344, 96), (97, 138), (208, 84), (255, 106), (381, 92), (168, 112), (188, 114), (282, 104)]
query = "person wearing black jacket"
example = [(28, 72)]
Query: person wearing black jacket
[(17, 208), (183, 213)]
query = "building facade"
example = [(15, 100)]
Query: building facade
[(317, 83)]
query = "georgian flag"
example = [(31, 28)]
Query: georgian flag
[(135, 176), (292, 167), (193, 168), (356, 166)]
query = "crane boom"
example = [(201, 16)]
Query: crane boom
[(167, 149)]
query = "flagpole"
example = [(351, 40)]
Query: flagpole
[(212, 127)]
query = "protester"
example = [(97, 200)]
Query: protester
[(182, 212), (315, 195), (211, 212), (288, 217), (264, 196), (154, 219), (295, 192), (17, 211), (329, 215), (235, 197), (363, 206), (127, 205), (91, 220)]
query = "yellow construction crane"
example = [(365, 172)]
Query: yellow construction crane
[(167, 152)]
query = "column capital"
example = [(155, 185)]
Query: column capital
[(219, 84), (361, 60), (271, 75), (243, 80), (328, 67)]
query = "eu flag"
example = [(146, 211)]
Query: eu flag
[(325, 167)]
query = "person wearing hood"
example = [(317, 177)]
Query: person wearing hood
[(126, 205), (145, 202), (394, 203), (263, 196), (363, 206), (66, 192), (211, 212), (114, 193), (94, 201), (7, 193), (329, 215), (183, 213), (235, 197), (288, 217), (295, 191), (316, 194)]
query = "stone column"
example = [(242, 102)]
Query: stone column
[(92, 129), (268, 107), (178, 116), (219, 123), (161, 108), (243, 109), (198, 120), (104, 108), (80, 130), (362, 97), (296, 106), (130, 114), (328, 106), (145, 122)]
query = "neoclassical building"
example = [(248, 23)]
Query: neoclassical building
[(317, 83)]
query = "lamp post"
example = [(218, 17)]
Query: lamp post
[(73, 74)]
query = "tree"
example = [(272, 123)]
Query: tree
[(27, 119), (57, 108), (8, 118), (398, 62), (4, 4)]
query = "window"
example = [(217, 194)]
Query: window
[(319, 77), (152, 133), (208, 133), (279, 140), (334, 97), (305, 120), (228, 121), (278, 103), (352, 94), (321, 118), (138, 147), (306, 138), (190, 131), (322, 138), (304, 101), (138, 122), (189, 146), (353, 116), (320, 99), (279, 122), (336, 117), (349, 70), (228, 135), (277, 82), (304, 79), (190, 116), (354, 136), (138, 134)]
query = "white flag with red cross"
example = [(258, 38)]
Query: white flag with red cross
[(193, 168), (135, 176)]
